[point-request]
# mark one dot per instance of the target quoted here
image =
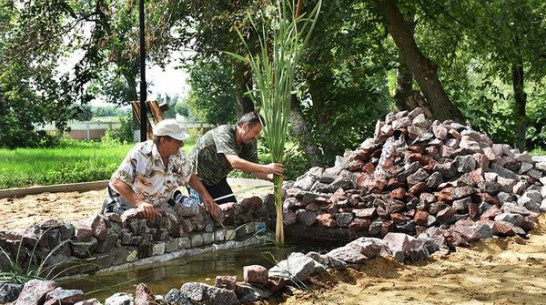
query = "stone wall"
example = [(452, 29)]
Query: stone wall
[(111, 240)]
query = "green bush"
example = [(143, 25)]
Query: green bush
[(121, 135)]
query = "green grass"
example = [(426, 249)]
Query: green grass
[(71, 162), (538, 152)]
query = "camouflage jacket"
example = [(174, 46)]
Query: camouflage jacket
[(208, 155)]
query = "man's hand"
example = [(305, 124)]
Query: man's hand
[(212, 208), (148, 210), (274, 168)]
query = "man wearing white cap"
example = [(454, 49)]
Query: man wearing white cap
[(152, 171)]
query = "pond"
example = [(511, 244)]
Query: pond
[(163, 276)]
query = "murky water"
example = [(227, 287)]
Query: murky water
[(161, 277)]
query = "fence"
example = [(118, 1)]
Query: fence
[(88, 130)]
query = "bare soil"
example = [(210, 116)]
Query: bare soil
[(17, 214), (496, 271)]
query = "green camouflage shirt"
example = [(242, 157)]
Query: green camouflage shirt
[(207, 156)]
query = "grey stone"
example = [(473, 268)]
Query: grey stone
[(196, 239), (119, 298), (515, 219), (368, 246), (503, 172), (305, 217), (196, 292), (175, 296), (535, 174), (65, 296), (461, 205), (512, 207), (84, 249), (465, 164), (327, 261), (255, 274), (347, 254), (525, 167), (344, 219), (419, 176), (434, 180), (249, 294), (296, 266), (221, 296), (306, 182), (9, 292), (208, 238), (448, 169), (541, 166), (543, 205)]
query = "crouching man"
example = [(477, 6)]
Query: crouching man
[(151, 173)]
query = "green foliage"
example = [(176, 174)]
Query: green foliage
[(212, 97), (121, 135), (24, 264), (70, 162), (345, 88)]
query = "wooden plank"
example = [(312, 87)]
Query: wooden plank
[(155, 110), (136, 109)]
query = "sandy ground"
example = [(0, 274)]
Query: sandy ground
[(17, 214), (508, 271)]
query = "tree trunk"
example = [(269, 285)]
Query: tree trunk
[(302, 134), (520, 99), (404, 81), (422, 68), (132, 94), (242, 77), (404, 78)]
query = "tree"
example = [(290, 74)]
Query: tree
[(423, 69), (500, 42), (212, 95), (344, 77), (35, 38)]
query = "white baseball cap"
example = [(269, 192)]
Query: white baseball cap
[(170, 128)]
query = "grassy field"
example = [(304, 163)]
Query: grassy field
[(73, 161)]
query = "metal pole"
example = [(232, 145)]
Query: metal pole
[(143, 110)]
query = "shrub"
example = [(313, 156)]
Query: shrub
[(122, 135)]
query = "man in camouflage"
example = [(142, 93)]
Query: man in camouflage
[(225, 148)]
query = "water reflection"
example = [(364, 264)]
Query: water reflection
[(161, 277)]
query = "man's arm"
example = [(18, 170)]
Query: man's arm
[(139, 203), (196, 184), (260, 171)]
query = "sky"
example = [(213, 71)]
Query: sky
[(169, 81)]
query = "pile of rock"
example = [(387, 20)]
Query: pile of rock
[(417, 176)]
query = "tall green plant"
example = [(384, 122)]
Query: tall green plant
[(281, 38)]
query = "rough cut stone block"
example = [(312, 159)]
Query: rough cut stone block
[(35, 291), (228, 282), (208, 238), (220, 235), (196, 239), (171, 245), (230, 234), (255, 274), (184, 242), (158, 249)]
